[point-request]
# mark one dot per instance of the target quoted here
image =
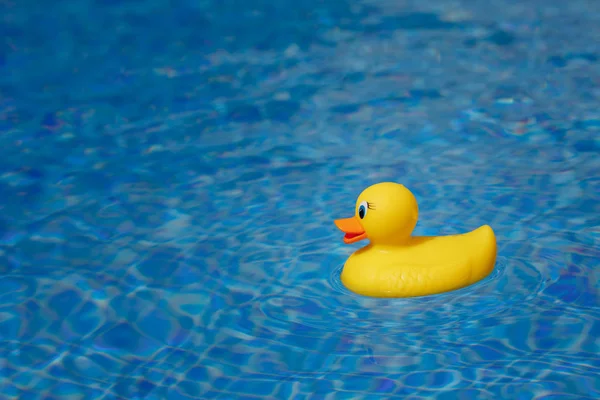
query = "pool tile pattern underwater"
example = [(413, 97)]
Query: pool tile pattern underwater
[(169, 176)]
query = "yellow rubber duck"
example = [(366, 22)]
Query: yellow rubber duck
[(397, 264)]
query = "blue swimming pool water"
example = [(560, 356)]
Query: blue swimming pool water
[(170, 171)]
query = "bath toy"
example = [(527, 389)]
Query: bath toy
[(397, 264)]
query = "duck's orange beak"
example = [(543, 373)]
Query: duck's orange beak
[(352, 228)]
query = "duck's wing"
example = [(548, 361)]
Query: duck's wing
[(410, 280)]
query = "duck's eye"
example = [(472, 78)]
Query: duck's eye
[(362, 209)]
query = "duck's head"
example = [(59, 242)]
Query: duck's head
[(386, 213)]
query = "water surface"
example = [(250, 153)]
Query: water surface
[(170, 171)]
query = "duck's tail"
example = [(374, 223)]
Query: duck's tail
[(484, 257)]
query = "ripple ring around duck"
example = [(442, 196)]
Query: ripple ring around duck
[(397, 264)]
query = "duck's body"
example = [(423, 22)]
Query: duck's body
[(425, 265), (397, 264)]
